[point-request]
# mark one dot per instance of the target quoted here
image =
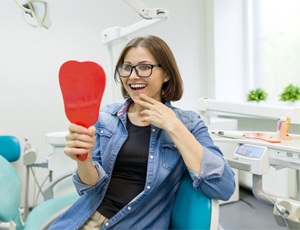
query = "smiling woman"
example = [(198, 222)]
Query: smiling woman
[(145, 79), (30, 61), (172, 87), (139, 149)]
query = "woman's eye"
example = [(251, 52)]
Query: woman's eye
[(127, 67), (144, 67)]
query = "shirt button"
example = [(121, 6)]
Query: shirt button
[(148, 187), (106, 224), (153, 130), (101, 131), (129, 208), (151, 157)]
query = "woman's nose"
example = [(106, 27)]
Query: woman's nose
[(134, 73)]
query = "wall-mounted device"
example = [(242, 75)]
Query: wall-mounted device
[(256, 156)]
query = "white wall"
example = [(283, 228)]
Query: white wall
[(30, 98), (229, 52)]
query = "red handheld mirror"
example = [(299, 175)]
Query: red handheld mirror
[(82, 85)]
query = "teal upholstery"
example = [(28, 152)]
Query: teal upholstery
[(10, 192), (10, 148), (48, 210), (10, 196), (192, 209), (10, 183)]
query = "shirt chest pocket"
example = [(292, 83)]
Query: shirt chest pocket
[(170, 155), (104, 136)]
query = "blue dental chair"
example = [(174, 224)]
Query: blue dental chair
[(192, 209), (10, 192), (10, 148), (10, 184)]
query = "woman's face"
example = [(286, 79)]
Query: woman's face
[(135, 85)]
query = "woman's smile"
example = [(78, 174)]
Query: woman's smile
[(134, 84), (137, 86)]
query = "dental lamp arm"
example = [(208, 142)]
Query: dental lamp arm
[(49, 191), (150, 16), (147, 13), (115, 33)]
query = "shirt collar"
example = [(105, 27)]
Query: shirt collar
[(120, 110)]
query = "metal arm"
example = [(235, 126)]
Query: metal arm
[(48, 192), (150, 16), (147, 13)]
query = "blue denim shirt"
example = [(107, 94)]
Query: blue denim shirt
[(152, 208)]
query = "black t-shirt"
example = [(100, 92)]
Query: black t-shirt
[(129, 174)]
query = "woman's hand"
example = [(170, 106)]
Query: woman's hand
[(163, 117), (157, 113), (80, 140)]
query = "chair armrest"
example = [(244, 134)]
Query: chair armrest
[(46, 212), (214, 222)]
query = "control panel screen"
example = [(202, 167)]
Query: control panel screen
[(250, 151)]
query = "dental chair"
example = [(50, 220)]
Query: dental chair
[(10, 148), (192, 209), (10, 193), (10, 184)]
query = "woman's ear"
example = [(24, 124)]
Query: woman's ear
[(166, 78)]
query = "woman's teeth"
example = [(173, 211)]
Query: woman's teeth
[(137, 86)]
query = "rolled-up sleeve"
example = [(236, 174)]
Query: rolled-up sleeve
[(215, 178), (212, 166)]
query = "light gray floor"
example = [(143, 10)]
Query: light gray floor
[(247, 213)]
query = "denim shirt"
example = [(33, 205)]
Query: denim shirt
[(152, 208)]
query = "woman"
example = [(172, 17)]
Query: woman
[(139, 149)]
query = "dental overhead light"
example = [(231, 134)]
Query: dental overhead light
[(36, 13), (150, 16)]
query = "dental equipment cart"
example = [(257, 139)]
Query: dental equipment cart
[(256, 157)]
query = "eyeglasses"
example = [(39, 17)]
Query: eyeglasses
[(142, 70)]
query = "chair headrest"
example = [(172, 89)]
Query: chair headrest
[(10, 148)]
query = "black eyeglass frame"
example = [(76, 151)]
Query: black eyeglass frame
[(136, 70)]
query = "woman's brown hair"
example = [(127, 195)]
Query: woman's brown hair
[(172, 90)]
